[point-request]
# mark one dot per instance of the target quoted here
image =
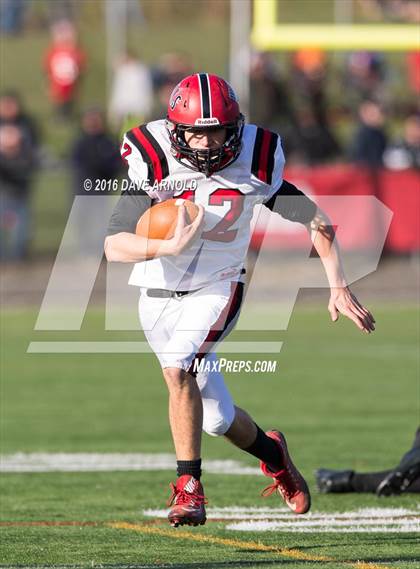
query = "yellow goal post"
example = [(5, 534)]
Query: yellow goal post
[(269, 35)]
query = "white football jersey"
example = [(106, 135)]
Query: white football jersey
[(228, 197)]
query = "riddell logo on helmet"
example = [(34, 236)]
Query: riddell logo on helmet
[(206, 122)]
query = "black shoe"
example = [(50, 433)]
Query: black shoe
[(402, 476), (334, 480)]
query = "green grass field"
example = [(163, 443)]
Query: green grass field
[(343, 399)]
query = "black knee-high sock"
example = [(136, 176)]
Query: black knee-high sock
[(266, 450), (192, 467)]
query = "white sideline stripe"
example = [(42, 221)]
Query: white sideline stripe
[(234, 513), (334, 523), (143, 347), (372, 515), (364, 520), (108, 462), (402, 528)]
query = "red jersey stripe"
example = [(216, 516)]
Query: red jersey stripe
[(216, 331), (157, 168), (263, 163)]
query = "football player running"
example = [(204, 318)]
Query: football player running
[(191, 286)]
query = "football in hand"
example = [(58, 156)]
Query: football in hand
[(159, 221)]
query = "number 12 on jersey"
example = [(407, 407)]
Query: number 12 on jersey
[(221, 231)]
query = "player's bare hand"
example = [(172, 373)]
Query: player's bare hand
[(185, 233), (343, 301)]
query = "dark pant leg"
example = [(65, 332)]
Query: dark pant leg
[(416, 443), (369, 481)]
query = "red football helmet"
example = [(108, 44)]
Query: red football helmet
[(204, 101)]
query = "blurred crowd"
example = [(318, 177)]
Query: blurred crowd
[(293, 99), (297, 104)]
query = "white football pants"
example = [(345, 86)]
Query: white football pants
[(185, 330)]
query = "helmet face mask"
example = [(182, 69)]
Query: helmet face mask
[(199, 103), (206, 160)]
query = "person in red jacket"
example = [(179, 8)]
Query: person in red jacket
[(64, 63)]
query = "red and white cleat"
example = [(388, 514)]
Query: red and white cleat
[(288, 482), (187, 502)]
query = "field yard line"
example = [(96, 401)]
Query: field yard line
[(54, 523), (256, 513), (238, 543), (332, 522), (109, 462), (260, 526)]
